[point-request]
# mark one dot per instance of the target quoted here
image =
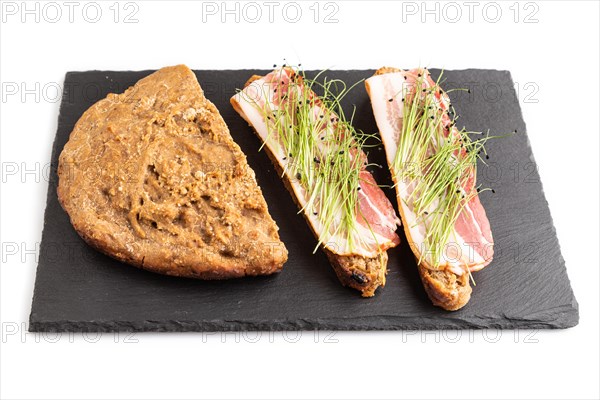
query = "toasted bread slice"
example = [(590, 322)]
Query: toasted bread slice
[(364, 274), (152, 177), (444, 288)]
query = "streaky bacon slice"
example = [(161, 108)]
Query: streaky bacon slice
[(471, 242), (376, 218)]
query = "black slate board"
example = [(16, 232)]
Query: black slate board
[(526, 286)]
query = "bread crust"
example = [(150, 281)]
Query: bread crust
[(364, 274), (152, 178)]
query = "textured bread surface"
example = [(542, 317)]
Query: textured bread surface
[(152, 177)]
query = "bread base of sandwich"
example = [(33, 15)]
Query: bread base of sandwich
[(364, 274), (444, 288)]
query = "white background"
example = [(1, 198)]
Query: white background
[(558, 54)]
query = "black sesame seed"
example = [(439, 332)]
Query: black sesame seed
[(298, 176), (290, 154), (487, 157), (358, 188), (315, 213), (341, 152), (274, 65), (493, 191), (390, 100)]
